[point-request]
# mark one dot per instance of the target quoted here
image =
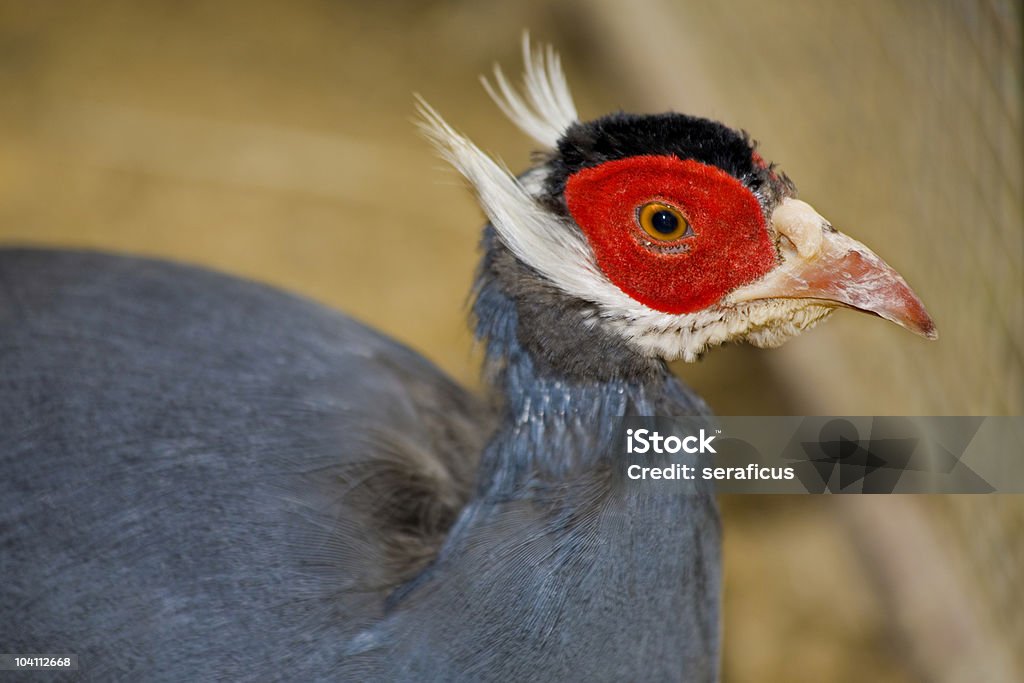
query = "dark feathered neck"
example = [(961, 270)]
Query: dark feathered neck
[(518, 312), (563, 386)]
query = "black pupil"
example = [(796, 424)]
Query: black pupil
[(665, 222)]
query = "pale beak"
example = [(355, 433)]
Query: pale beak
[(822, 264)]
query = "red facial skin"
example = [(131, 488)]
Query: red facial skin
[(730, 245)]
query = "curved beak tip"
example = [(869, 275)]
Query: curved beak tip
[(929, 332), (922, 326), (894, 300)]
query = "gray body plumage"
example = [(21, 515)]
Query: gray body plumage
[(204, 478)]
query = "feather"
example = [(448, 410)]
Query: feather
[(547, 109)]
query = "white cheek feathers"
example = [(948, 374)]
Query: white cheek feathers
[(685, 336)]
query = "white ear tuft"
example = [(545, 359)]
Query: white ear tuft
[(533, 234), (547, 109)]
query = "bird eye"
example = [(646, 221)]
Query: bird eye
[(662, 222)]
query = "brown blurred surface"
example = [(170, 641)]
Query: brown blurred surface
[(274, 140)]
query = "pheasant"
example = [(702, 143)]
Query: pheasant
[(207, 478)]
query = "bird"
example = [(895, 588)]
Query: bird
[(207, 478)]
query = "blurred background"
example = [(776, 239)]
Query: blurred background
[(274, 140)]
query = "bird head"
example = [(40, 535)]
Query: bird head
[(669, 233)]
